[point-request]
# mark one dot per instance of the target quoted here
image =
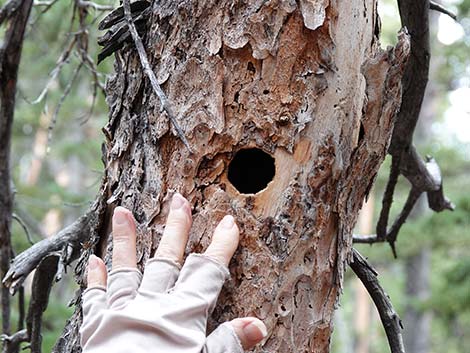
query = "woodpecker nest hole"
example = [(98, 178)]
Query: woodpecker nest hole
[(251, 170)]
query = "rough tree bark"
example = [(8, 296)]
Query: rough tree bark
[(307, 83)]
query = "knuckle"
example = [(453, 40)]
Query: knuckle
[(121, 241), (168, 252)]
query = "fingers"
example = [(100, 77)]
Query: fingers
[(124, 278), (236, 336), (224, 241), (203, 276), (162, 271), (124, 253), (249, 330), (175, 235), (97, 274)]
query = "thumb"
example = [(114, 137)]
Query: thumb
[(250, 331), (236, 336)]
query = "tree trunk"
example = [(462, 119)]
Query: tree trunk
[(303, 85)]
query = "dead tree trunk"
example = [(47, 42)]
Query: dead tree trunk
[(288, 108)]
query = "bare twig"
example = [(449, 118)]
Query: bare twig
[(86, 60), (388, 198), (63, 59), (24, 226), (47, 5), (439, 8), (165, 104), (389, 317), (367, 239), (413, 196), (67, 90), (76, 42)]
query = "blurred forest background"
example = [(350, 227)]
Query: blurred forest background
[(56, 159)]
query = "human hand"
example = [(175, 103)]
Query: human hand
[(165, 310)]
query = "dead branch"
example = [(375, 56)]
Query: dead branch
[(413, 196), (40, 292), (425, 177), (73, 235), (117, 15), (61, 61), (11, 344), (85, 59), (150, 74), (388, 198), (41, 288), (10, 54), (389, 317), (64, 95), (21, 308), (439, 8), (76, 42), (48, 5)]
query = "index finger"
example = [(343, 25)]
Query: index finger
[(203, 275), (224, 241)]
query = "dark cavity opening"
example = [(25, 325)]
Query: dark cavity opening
[(251, 170)]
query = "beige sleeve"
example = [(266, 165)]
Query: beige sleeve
[(163, 311)]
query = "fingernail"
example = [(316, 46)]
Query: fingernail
[(227, 222), (92, 262), (253, 329), (120, 216), (177, 201)]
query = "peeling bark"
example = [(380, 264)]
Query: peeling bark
[(303, 81)]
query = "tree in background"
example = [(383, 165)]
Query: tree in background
[(334, 174)]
